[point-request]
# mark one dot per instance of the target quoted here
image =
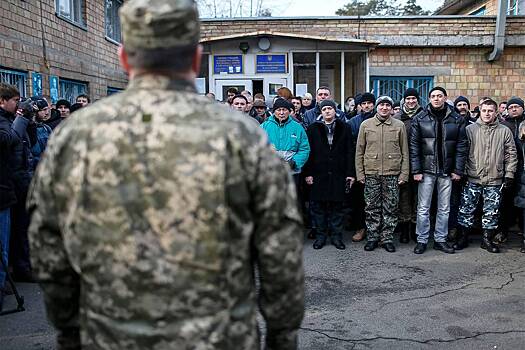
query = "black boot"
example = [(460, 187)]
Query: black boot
[(461, 238), (404, 235), (522, 250), (486, 242), (412, 229)]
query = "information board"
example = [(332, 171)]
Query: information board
[(227, 64), (271, 64)]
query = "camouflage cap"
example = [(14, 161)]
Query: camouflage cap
[(159, 24)]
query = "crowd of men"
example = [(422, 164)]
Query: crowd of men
[(391, 166), (25, 127)]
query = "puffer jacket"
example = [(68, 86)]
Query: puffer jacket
[(492, 153), (423, 143), (289, 140)]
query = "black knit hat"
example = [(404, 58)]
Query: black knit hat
[(514, 100), (461, 99), (397, 104), (368, 97), (411, 92), (437, 88), (282, 103), (41, 103), (325, 103), (63, 103)]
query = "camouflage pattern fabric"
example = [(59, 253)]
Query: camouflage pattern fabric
[(470, 197), (407, 202), (149, 211), (381, 198)]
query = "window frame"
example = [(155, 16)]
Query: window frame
[(112, 90), (479, 12), (80, 24), (106, 35), (78, 83), (410, 83), (21, 74)]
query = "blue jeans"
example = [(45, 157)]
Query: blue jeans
[(5, 227), (424, 201)]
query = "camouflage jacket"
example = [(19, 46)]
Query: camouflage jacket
[(150, 210)]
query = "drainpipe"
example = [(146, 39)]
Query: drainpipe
[(499, 36)]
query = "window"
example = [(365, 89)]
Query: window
[(396, 86), (15, 78), (112, 20), (479, 12), (112, 90), (70, 89), (72, 10)]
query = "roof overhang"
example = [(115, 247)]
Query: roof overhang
[(454, 7), (269, 33)]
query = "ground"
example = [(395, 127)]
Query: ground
[(376, 300)]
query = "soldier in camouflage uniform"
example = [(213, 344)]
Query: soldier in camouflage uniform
[(490, 166), (382, 164), (147, 219)]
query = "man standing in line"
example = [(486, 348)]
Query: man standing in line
[(314, 114), (382, 165), (438, 151), (148, 220)]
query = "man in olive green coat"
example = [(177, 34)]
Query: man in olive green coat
[(152, 207), (382, 164)]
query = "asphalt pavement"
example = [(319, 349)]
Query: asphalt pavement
[(375, 300)]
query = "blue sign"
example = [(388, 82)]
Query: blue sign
[(37, 83), (53, 88), (271, 64), (227, 64)]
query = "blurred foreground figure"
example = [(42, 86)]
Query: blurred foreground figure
[(148, 220)]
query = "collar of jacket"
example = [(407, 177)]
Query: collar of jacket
[(160, 82), (6, 114), (274, 119), (492, 125), (447, 113), (388, 121)]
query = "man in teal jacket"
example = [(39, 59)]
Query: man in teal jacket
[(288, 137)]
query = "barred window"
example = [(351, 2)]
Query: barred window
[(396, 86), (72, 10), (70, 89), (112, 20), (16, 78)]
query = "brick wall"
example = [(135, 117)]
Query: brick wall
[(71, 52)]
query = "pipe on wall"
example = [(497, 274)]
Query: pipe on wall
[(499, 35)]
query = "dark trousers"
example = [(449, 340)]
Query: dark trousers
[(455, 201), (19, 242), (357, 206), (327, 218), (509, 213)]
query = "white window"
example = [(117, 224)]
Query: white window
[(112, 20), (72, 10)]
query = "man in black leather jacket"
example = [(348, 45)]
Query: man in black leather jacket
[(438, 151)]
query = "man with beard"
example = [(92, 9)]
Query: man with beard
[(462, 106)]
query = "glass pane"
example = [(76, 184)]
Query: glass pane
[(64, 8), (304, 70), (330, 72), (355, 73), (112, 19), (204, 73), (423, 86)]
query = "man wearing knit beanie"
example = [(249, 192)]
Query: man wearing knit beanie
[(367, 102), (314, 114), (329, 172), (462, 106), (509, 212), (382, 165), (408, 191), (436, 163)]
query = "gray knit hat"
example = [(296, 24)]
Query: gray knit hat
[(384, 99)]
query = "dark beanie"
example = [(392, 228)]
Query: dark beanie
[(411, 92), (41, 103), (282, 103), (397, 104), (368, 97), (514, 100), (462, 99), (438, 88), (357, 98), (325, 103)]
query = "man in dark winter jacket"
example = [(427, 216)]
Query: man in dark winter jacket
[(509, 212), (408, 191), (314, 114), (462, 107), (330, 169), (366, 105), (438, 151)]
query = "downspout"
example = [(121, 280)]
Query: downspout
[(499, 36)]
